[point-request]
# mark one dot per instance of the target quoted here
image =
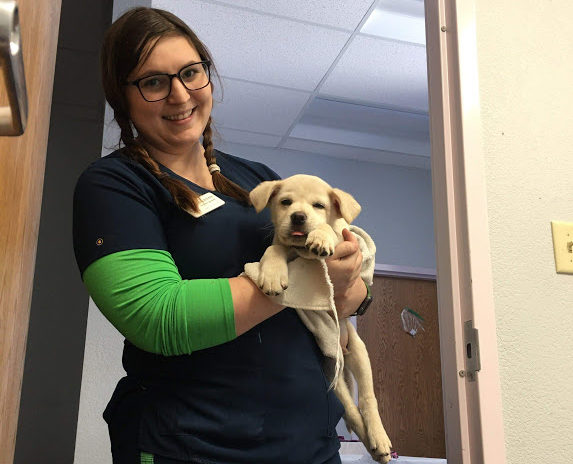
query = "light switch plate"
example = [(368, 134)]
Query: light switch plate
[(563, 246)]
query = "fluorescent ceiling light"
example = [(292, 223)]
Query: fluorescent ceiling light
[(397, 20)]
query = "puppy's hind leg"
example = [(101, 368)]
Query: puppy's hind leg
[(352, 417), (358, 362)]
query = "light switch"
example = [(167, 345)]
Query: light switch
[(563, 246)]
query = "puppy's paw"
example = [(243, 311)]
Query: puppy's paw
[(320, 243), (379, 444), (273, 278)]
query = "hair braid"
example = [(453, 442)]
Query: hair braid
[(183, 196), (221, 183)]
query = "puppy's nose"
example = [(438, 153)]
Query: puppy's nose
[(298, 219)]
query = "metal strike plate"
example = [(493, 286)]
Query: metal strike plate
[(471, 342)]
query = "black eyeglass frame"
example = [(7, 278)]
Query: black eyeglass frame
[(206, 63)]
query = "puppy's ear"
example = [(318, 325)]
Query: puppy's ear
[(347, 206), (262, 193)]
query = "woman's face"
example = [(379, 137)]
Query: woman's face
[(174, 124)]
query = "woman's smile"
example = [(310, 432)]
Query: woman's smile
[(181, 117)]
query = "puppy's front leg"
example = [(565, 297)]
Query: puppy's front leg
[(322, 240), (273, 270)]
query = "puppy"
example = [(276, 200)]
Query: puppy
[(309, 216)]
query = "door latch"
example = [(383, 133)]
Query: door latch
[(471, 344)]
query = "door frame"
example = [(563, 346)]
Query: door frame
[(472, 409)]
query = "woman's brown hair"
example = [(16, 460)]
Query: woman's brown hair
[(127, 43)]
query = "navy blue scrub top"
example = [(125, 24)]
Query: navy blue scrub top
[(260, 398)]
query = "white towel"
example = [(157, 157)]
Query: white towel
[(311, 293)]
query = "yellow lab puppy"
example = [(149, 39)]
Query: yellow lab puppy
[(309, 216)]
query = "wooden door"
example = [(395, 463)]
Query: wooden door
[(406, 369), (22, 161)]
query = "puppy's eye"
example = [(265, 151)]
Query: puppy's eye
[(286, 202), (318, 205)]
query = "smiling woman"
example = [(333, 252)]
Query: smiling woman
[(204, 346)]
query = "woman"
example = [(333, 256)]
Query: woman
[(216, 372)]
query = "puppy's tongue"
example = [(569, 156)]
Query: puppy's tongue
[(297, 233)]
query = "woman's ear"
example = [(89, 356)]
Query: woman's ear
[(262, 193), (348, 208)]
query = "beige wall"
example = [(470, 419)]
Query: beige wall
[(525, 53)]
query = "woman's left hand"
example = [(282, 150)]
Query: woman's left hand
[(344, 268)]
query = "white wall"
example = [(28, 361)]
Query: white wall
[(525, 52)]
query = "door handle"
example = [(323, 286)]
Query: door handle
[(12, 118)]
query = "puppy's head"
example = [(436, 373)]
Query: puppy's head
[(300, 203)]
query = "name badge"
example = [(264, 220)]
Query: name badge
[(207, 203)]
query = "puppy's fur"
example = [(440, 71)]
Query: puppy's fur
[(309, 216)]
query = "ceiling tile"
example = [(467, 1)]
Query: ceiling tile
[(356, 153), (322, 148), (257, 108), (382, 72), (367, 119), (227, 135), (413, 8), (395, 25), (362, 139), (261, 48), (345, 14)]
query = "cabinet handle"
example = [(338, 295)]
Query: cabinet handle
[(12, 118)]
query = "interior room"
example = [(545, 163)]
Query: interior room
[(340, 89)]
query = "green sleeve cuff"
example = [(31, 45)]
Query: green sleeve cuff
[(142, 294)]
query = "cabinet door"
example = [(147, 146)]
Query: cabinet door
[(22, 162)]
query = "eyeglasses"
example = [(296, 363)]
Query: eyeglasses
[(157, 87)]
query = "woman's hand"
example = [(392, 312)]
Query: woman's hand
[(344, 270)]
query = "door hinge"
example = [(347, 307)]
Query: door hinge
[(471, 345)]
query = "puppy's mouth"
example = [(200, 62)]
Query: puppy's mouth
[(294, 237)]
